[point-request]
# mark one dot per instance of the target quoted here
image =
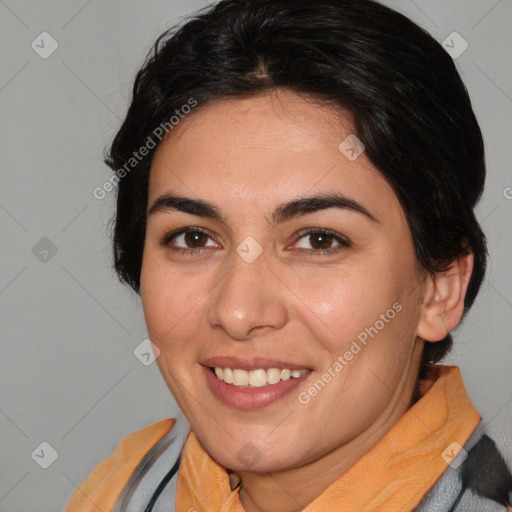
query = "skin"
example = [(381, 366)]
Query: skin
[(247, 156)]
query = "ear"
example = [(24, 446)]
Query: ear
[(443, 299)]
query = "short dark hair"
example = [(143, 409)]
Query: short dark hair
[(409, 105)]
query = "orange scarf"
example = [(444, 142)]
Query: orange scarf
[(394, 475)]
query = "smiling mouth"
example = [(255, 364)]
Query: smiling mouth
[(255, 378)]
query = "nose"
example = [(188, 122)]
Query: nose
[(248, 300)]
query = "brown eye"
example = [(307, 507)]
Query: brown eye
[(317, 240), (195, 239), (188, 239), (320, 240)]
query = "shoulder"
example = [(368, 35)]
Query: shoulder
[(101, 488), (477, 479), (485, 474)]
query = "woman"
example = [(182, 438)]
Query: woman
[(297, 183)]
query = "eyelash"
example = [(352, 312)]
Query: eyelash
[(343, 242)]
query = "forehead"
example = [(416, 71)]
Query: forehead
[(264, 149)]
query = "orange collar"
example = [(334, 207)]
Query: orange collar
[(394, 475)]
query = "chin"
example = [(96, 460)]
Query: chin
[(254, 458), (263, 465)]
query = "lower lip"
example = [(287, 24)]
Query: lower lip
[(251, 398)]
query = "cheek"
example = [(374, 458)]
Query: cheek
[(169, 301), (338, 303)]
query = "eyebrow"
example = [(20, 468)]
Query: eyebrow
[(286, 211)]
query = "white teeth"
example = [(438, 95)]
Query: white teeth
[(240, 377), (273, 375), (228, 375), (285, 374), (256, 378)]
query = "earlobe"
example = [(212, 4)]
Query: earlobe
[(443, 301)]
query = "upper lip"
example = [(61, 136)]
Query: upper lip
[(249, 363)]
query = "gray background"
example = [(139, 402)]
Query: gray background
[(69, 376)]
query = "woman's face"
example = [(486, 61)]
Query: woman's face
[(265, 281)]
